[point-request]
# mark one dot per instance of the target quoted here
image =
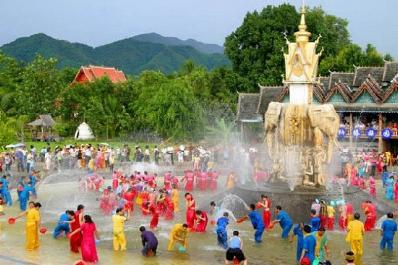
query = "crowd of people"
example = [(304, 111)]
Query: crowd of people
[(158, 199)]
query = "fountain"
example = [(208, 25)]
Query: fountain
[(300, 137)]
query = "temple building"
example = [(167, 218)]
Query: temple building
[(91, 73), (366, 100)]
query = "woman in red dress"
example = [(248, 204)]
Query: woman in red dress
[(169, 208), (190, 215), (266, 204), (129, 196), (201, 221), (189, 179), (202, 178), (75, 239), (213, 180)]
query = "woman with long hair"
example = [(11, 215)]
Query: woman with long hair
[(89, 237)]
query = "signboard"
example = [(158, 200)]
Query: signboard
[(386, 133), (371, 133), (342, 132), (356, 133)]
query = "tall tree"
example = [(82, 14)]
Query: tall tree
[(39, 87), (255, 47)]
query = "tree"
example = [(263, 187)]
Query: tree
[(255, 47), (350, 56), (39, 87), (221, 132), (10, 77), (171, 110)]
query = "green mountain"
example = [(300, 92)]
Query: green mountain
[(172, 41), (130, 55)]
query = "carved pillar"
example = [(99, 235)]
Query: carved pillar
[(350, 127), (380, 139)]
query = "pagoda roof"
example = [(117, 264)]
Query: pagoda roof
[(368, 89), (93, 72), (390, 71), (267, 95), (361, 73)]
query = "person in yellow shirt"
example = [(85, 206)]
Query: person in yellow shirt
[(175, 198), (355, 234), (179, 234), (231, 179), (331, 211), (32, 225), (119, 238)]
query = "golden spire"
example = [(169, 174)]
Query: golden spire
[(302, 35)]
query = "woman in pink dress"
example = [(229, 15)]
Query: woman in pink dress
[(89, 236)]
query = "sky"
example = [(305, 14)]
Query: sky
[(97, 22)]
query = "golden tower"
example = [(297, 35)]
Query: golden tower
[(301, 64)]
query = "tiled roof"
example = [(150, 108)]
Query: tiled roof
[(325, 82), (267, 95), (361, 73), (96, 72), (247, 107), (43, 120), (344, 78), (390, 71)]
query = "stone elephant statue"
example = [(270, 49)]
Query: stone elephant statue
[(325, 122)]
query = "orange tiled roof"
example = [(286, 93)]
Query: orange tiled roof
[(92, 73)]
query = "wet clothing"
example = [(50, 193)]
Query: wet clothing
[(32, 229), (285, 222), (315, 223), (389, 227), (62, 225), (89, 250), (309, 245), (300, 240), (180, 232), (356, 230), (119, 238), (258, 225), (222, 236), (24, 197), (149, 242)]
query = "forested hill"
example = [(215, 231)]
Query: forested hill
[(131, 55)]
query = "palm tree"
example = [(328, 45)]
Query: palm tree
[(221, 132)]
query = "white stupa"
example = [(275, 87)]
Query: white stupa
[(84, 132)]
